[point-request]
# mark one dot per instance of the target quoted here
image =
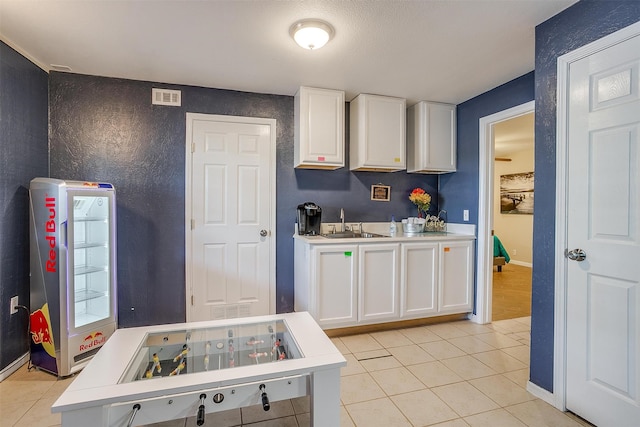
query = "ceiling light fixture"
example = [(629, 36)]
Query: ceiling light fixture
[(311, 33)]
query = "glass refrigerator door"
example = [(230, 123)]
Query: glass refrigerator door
[(89, 245)]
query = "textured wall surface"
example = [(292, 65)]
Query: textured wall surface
[(459, 191), (23, 156), (106, 129), (575, 27)]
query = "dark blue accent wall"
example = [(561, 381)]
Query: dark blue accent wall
[(575, 27), (105, 129), (23, 156), (459, 191)]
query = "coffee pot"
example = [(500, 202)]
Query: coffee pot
[(309, 219)]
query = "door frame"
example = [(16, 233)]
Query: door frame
[(190, 118), (560, 281), (484, 260)]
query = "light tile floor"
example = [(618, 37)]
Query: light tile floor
[(447, 375)]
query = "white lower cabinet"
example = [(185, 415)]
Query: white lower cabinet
[(378, 276), (326, 283), (456, 277), (344, 285), (419, 281)]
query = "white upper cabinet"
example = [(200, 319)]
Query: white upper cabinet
[(431, 138), (319, 128), (377, 133)]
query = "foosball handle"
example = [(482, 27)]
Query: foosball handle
[(135, 410), (200, 419), (265, 400)]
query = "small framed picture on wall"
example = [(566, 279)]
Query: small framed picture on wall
[(380, 193)]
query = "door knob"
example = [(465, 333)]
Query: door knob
[(264, 233), (575, 254)]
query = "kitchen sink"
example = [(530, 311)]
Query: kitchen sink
[(352, 235)]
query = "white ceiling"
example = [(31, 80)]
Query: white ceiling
[(447, 51)]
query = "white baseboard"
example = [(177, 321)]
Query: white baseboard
[(541, 393), (14, 366), (521, 263)]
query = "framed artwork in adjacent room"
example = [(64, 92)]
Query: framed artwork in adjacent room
[(516, 193)]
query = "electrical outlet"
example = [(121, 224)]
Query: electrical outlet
[(515, 252), (14, 303)]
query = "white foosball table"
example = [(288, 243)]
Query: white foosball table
[(151, 374)]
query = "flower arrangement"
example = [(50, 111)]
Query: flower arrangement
[(421, 199)]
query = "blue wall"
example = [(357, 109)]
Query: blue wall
[(105, 129), (459, 191), (23, 156), (577, 26)]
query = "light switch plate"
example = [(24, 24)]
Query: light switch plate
[(14, 303)]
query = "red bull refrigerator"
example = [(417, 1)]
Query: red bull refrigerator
[(73, 272)]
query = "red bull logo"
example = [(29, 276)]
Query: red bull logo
[(94, 339), (40, 328), (50, 230)]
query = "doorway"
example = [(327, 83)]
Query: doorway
[(484, 267), (513, 201)]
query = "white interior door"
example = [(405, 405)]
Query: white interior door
[(230, 217), (603, 192)]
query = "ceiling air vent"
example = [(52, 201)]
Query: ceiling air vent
[(166, 97)]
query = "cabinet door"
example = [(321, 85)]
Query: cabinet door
[(431, 138), (419, 280), (335, 285), (319, 128), (378, 277), (377, 131), (456, 277)]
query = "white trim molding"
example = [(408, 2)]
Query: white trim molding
[(484, 265), (541, 393), (560, 283), (14, 366)]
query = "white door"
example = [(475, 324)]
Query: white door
[(230, 217), (603, 192)]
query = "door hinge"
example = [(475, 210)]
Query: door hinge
[(193, 147), (193, 224), (192, 300)]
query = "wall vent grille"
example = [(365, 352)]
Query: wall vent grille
[(166, 97)]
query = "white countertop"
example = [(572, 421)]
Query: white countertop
[(454, 232)]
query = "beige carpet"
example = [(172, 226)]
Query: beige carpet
[(511, 292)]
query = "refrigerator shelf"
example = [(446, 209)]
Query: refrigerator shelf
[(91, 219), (77, 245), (86, 269), (86, 295)]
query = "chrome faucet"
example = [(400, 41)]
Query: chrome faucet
[(342, 219)]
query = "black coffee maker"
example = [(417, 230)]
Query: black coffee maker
[(309, 218)]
